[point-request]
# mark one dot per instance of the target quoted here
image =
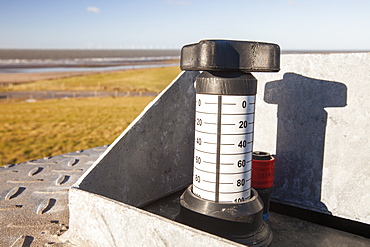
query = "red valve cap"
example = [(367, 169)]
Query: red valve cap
[(262, 170)]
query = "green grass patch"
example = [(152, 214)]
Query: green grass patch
[(52, 127), (145, 80)]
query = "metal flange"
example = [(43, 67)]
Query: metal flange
[(240, 222)]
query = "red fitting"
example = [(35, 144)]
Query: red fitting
[(263, 172)]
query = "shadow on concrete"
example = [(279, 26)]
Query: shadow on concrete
[(300, 142)]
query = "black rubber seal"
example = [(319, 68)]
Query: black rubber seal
[(226, 83)]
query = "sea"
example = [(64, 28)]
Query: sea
[(61, 60), (58, 60)]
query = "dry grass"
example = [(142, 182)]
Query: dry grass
[(152, 80), (51, 127)]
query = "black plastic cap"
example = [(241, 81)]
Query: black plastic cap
[(231, 55), (259, 155)]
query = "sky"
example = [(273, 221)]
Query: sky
[(170, 24)]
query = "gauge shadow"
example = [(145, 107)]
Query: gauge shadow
[(300, 142)]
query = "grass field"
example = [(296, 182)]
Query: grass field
[(51, 127), (152, 80)]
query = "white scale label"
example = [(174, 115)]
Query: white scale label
[(223, 147)]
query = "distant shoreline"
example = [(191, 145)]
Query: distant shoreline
[(18, 78), (89, 62), (120, 53), (59, 66), (81, 54)]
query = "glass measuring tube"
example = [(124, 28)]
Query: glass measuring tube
[(223, 147)]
